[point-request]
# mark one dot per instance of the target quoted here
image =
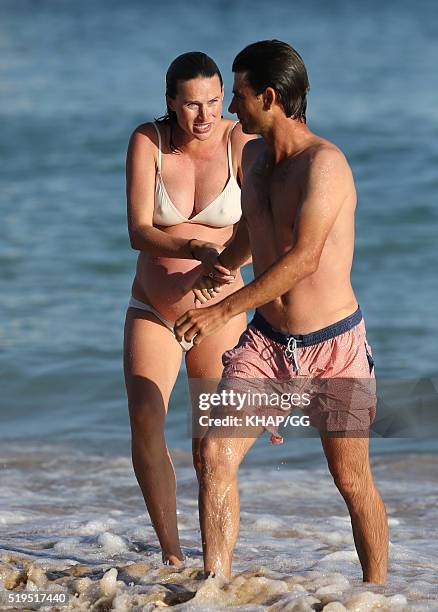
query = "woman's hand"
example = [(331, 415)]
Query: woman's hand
[(208, 253), (205, 289)]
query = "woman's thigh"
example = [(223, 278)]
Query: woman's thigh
[(205, 362), (152, 358)]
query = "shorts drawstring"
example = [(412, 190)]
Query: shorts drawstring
[(291, 351)]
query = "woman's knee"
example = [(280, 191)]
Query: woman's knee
[(146, 417), (147, 430), (196, 455), (147, 405), (148, 444), (143, 424)]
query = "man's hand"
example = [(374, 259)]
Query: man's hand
[(200, 323)]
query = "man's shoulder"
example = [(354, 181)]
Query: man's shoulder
[(327, 165), (255, 146), (252, 151), (325, 153)]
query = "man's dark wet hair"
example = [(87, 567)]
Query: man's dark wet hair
[(273, 63), (185, 67)]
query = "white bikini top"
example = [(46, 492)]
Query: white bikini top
[(222, 211)]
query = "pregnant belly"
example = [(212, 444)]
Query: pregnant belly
[(166, 284)]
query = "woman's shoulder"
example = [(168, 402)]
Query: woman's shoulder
[(232, 128), (238, 138), (145, 135), (143, 144)]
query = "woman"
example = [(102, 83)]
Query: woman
[(183, 201)]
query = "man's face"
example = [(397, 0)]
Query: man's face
[(246, 104)]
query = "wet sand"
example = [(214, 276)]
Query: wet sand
[(141, 586)]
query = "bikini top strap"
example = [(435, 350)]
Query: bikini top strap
[(230, 157), (159, 145)]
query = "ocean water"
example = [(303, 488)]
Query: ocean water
[(75, 79)]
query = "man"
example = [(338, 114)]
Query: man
[(298, 203)]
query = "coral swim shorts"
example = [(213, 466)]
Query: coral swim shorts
[(333, 366)]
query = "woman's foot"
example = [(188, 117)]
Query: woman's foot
[(174, 560)]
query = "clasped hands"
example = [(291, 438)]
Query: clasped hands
[(198, 323), (214, 276)]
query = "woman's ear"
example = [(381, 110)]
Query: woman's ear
[(170, 103)]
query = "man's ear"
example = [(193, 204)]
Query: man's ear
[(269, 97)]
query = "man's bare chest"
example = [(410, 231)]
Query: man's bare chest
[(272, 205)]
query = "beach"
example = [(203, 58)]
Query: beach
[(75, 523)]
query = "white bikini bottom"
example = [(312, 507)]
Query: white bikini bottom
[(134, 303)]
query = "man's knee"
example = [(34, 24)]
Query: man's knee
[(216, 459), (348, 462), (352, 484)]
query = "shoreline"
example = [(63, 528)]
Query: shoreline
[(77, 522), (144, 586)]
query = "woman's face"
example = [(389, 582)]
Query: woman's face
[(198, 105)]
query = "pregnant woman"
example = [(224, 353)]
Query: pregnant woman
[(183, 175)]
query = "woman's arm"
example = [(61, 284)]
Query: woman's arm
[(238, 252), (140, 195)]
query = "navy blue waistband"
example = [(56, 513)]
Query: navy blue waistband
[(336, 329)]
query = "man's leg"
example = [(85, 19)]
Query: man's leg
[(348, 462), (219, 507)]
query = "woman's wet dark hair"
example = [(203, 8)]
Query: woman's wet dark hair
[(183, 68), (273, 63)]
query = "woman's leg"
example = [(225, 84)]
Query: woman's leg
[(152, 359), (205, 362)]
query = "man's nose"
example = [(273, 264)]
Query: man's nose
[(232, 107)]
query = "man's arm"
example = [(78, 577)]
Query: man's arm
[(327, 188), (238, 251)]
